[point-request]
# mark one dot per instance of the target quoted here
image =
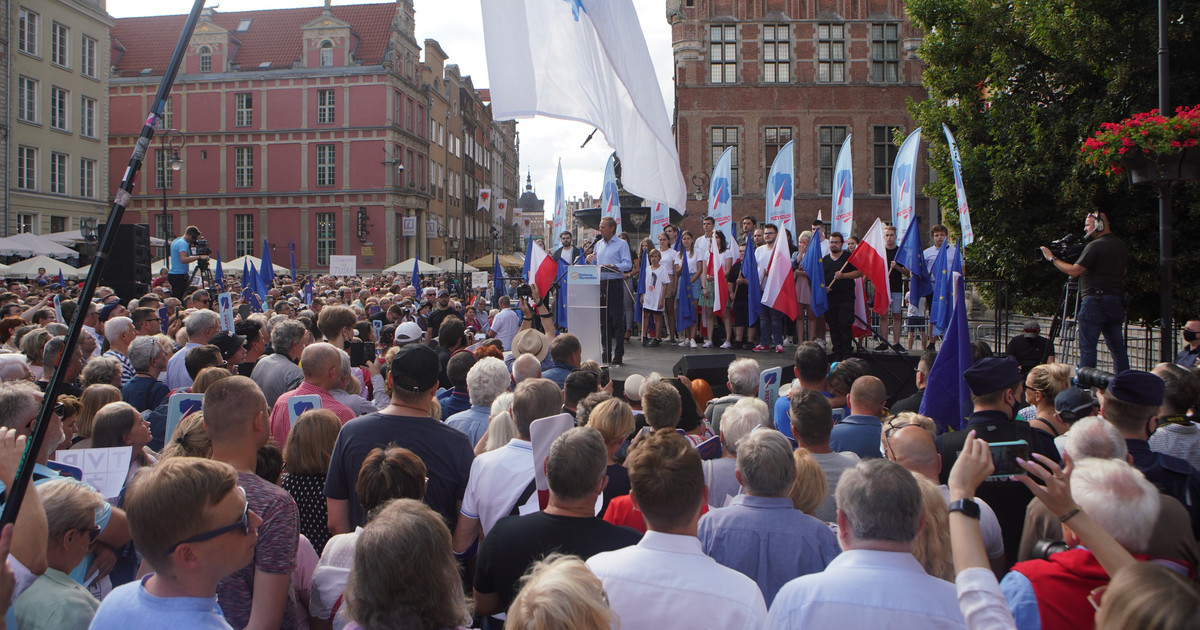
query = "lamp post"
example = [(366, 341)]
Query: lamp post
[(167, 140), (398, 165)]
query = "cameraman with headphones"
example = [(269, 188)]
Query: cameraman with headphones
[(181, 257), (1101, 271)]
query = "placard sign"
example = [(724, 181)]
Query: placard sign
[(178, 407), (768, 386), (225, 300), (343, 265), (377, 327), (408, 226), (104, 469), (479, 279), (297, 405)]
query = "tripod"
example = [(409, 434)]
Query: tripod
[(1064, 319), (206, 274)]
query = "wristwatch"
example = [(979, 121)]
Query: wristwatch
[(968, 507)]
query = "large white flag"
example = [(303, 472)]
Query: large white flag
[(559, 221), (610, 198), (964, 211), (585, 60), (843, 192), (720, 196), (780, 203), (904, 182)]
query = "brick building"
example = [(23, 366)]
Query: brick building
[(296, 124), (753, 75)]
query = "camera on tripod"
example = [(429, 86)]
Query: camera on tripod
[(1088, 377), (1067, 248), (200, 248)]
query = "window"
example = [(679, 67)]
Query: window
[(326, 168), (243, 26), (87, 57), (58, 108), (27, 167), (773, 140), (326, 54), (243, 105), (243, 235), (243, 167), (883, 156), (27, 31), (26, 223), (205, 59), (885, 52), (87, 179), (326, 237), (409, 112), (58, 224), (27, 99), (325, 103), (722, 138), (831, 53), (87, 117), (58, 173), (829, 142), (777, 55), (167, 115), (722, 53), (164, 177), (164, 227), (59, 36)]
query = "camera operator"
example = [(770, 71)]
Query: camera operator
[(1101, 271), (181, 257)]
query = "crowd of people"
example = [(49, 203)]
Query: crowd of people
[(365, 459)]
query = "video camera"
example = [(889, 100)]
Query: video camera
[(1088, 377), (524, 291), (1067, 248), (200, 248)]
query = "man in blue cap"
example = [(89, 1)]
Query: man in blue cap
[(1130, 403), (996, 391)]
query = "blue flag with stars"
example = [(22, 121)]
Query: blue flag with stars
[(947, 263), (685, 308), (753, 288), (910, 257), (643, 265), (947, 398), (266, 274), (812, 265)]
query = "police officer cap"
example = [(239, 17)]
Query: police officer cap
[(1137, 388), (992, 374)]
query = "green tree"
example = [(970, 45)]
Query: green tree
[(1022, 84)]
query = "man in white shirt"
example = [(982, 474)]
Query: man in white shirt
[(200, 326), (666, 581), (876, 581), (506, 323)]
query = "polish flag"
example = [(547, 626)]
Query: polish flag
[(779, 286), (716, 270), (870, 257), (542, 268), (859, 329)]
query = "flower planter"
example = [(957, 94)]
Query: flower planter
[(1183, 165)]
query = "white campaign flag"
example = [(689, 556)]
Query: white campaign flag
[(843, 192), (559, 218), (780, 205), (610, 198), (964, 211), (485, 200), (585, 60), (904, 182)]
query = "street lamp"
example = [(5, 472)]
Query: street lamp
[(700, 179), (167, 140)]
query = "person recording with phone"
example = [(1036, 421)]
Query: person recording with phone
[(181, 257), (1101, 271)]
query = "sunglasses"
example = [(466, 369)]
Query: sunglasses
[(92, 532), (242, 524)]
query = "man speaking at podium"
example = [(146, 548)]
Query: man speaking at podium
[(612, 254)]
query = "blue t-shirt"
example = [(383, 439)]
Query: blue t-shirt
[(130, 606), (180, 246)]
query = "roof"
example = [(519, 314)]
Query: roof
[(274, 36)]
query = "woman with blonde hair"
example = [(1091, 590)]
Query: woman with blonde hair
[(810, 485), (560, 592), (932, 545), (190, 439), (93, 399), (613, 419), (306, 454), (1147, 596), (32, 345), (207, 377), (1042, 384)]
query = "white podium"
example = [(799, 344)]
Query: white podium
[(584, 311)]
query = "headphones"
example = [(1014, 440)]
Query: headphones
[(1098, 224)]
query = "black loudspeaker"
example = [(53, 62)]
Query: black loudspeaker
[(128, 268), (898, 373), (713, 368)]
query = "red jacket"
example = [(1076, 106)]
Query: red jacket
[(1061, 586)]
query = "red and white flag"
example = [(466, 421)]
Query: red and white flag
[(870, 257), (858, 328), (779, 285), (716, 269), (485, 200), (542, 268)]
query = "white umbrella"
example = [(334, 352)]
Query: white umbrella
[(26, 244), (453, 265), (28, 268), (406, 267), (235, 266)]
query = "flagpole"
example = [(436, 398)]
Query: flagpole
[(107, 242)]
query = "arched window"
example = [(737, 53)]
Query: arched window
[(326, 54), (205, 59)]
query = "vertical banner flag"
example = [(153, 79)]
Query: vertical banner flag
[(843, 192), (586, 61), (415, 279), (720, 196), (660, 216), (964, 212), (870, 257), (910, 256), (292, 259), (610, 201), (780, 194), (811, 263), (947, 398), (904, 182), (485, 200), (498, 215), (559, 220)]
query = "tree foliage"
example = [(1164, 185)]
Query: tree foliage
[(1022, 84)]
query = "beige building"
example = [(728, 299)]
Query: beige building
[(57, 115)]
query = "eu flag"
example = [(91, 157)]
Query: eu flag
[(753, 288), (947, 398), (643, 266), (497, 283), (911, 258), (947, 263), (685, 308), (816, 275), (415, 280), (267, 272)]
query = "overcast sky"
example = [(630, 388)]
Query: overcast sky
[(458, 26)]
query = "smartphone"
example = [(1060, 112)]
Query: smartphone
[(604, 376), (1004, 458), (361, 352)]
